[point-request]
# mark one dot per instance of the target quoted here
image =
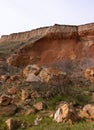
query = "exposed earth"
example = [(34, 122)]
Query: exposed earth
[(47, 73)]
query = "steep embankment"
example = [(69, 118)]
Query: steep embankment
[(58, 44)]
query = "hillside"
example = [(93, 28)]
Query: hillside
[(62, 37), (58, 45), (47, 78)]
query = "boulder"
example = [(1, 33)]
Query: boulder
[(53, 76), (32, 78), (87, 112), (89, 73), (31, 69), (65, 112), (5, 100), (11, 59), (8, 110), (13, 124)]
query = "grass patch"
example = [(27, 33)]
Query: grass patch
[(9, 47), (48, 124), (2, 123)]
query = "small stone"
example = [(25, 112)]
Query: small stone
[(37, 120), (31, 111), (34, 95), (51, 115), (24, 95), (5, 100), (5, 77), (12, 90), (40, 106), (13, 78)]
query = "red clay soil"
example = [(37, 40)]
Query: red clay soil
[(53, 44), (47, 51)]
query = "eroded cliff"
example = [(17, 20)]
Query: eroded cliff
[(58, 44)]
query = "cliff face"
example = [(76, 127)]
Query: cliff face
[(54, 45), (65, 31), (60, 30), (86, 32)]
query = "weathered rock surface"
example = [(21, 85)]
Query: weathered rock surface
[(48, 56), (32, 78), (87, 112), (40, 106), (12, 90), (34, 69), (13, 124), (24, 95), (31, 111), (69, 47), (53, 76), (49, 75), (5, 77), (54, 44), (7, 107), (89, 73), (37, 120), (65, 113), (5, 100), (8, 110)]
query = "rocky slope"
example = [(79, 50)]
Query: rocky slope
[(41, 77), (59, 45)]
